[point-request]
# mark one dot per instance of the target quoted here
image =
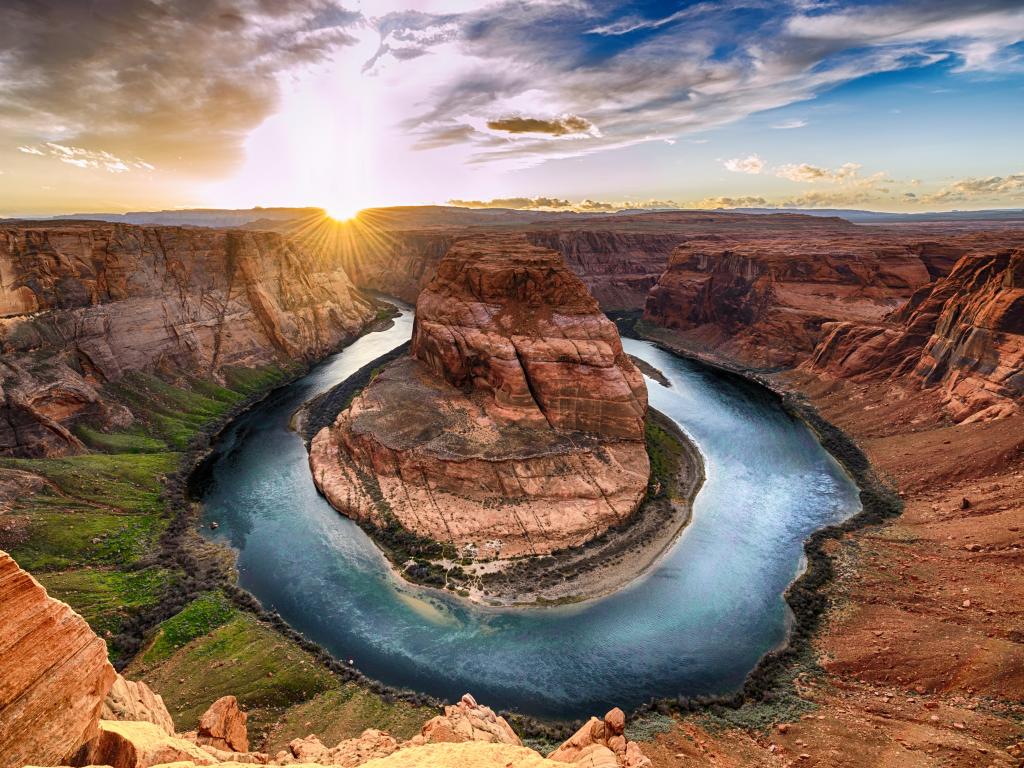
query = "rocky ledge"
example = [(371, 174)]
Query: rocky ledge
[(516, 425)]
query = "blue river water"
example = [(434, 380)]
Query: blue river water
[(695, 623)]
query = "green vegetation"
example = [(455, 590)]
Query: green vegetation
[(130, 441), (200, 617), (106, 597), (666, 454), (241, 657)]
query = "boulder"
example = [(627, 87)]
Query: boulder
[(137, 744), (54, 674), (349, 753), (223, 726), (602, 743)]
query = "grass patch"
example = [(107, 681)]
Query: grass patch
[(244, 658), (201, 616), (130, 441), (106, 598), (666, 455)]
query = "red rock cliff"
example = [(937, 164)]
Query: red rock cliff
[(516, 426), (81, 305), (54, 674), (964, 335), (764, 299)]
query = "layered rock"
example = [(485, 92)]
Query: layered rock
[(54, 673), (134, 700), (619, 257), (764, 299), (469, 721), (516, 426), (82, 305), (963, 335)]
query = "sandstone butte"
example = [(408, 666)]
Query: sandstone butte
[(516, 425), (61, 703), (82, 305), (764, 298)]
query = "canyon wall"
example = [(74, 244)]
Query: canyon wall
[(83, 304), (764, 299), (516, 425), (963, 334)]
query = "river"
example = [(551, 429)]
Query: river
[(696, 623)]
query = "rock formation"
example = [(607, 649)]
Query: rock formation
[(619, 258), (134, 700), (469, 721), (602, 743), (764, 298), (54, 673), (83, 304), (516, 426), (963, 334), (223, 726)]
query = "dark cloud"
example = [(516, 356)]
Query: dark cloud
[(177, 83), (562, 126)]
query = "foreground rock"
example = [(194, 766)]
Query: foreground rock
[(516, 426), (963, 334), (223, 726), (469, 721), (602, 743), (131, 700), (54, 673), (84, 305)]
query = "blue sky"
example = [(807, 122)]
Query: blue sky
[(906, 105)]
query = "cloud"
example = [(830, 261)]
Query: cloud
[(750, 164), (805, 172), (87, 158), (178, 83), (732, 202), (562, 126), (560, 204), (989, 187), (649, 77), (788, 125)]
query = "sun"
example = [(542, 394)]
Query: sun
[(341, 211)]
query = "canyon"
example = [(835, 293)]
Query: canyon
[(516, 424), (908, 339), (84, 306)]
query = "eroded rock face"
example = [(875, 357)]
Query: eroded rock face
[(139, 744), (764, 299), (516, 426), (964, 335), (82, 305), (134, 700), (54, 674)]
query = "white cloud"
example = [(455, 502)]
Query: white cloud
[(805, 172), (86, 158), (750, 164), (788, 125), (989, 187)]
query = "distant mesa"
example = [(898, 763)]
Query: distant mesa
[(516, 425)]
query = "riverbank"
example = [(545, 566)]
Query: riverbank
[(604, 565)]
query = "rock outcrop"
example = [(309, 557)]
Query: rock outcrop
[(54, 673), (84, 304), (602, 743), (469, 721), (963, 335), (139, 744), (516, 426), (134, 700), (763, 299), (223, 726)]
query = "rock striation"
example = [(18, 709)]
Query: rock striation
[(84, 304), (765, 298), (54, 673), (962, 335), (515, 427), (134, 700), (223, 726)]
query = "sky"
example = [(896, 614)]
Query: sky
[(117, 105)]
